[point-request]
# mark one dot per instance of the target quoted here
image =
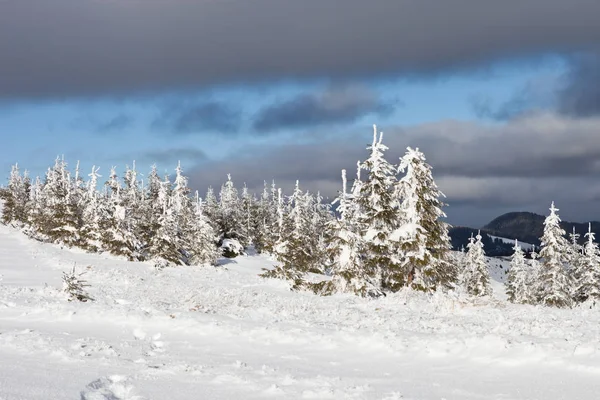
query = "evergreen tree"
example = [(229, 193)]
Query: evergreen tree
[(345, 248), (117, 236), (518, 282), (246, 210), (61, 221), (378, 218), (588, 284), (476, 277), (230, 218), (35, 213), (165, 245), (423, 236), (554, 284), (210, 207), (262, 221), (150, 211), (16, 197), (90, 231), (575, 251), (293, 257), (203, 244)]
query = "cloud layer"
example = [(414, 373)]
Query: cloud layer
[(88, 47), (519, 165)]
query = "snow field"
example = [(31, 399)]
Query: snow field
[(223, 332)]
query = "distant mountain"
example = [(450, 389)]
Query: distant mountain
[(529, 227)]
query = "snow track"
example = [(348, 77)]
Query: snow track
[(221, 333)]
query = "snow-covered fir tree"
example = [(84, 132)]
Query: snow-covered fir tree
[(165, 244), (378, 217), (575, 251), (293, 256), (345, 248), (588, 268), (230, 218), (117, 235), (422, 235), (518, 282), (247, 213), (263, 221), (90, 230), (202, 238), (476, 276), (16, 197), (554, 284), (60, 221)]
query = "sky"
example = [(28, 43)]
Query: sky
[(502, 97)]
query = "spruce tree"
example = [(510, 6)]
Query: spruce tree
[(164, 245), (203, 240), (423, 236), (554, 284), (91, 236), (61, 222), (117, 236), (345, 248), (230, 218), (476, 277), (588, 283), (518, 281), (293, 259), (378, 217), (16, 198)]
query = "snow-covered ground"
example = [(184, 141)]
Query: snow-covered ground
[(524, 246), (224, 333)]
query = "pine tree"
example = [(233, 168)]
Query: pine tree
[(423, 236), (117, 236), (230, 218), (554, 284), (345, 248), (588, 283), (90, 231), (476, 277), (246, 210), (164, 245), (575, 251), (262, 221), (150, 211), (378, 217), (16, 197), (203, 244), (274, 217), (292, 256), (35, 213), (518, 282), (61, 222)]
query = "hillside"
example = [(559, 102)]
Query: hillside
[(528, 227), (222, 332)]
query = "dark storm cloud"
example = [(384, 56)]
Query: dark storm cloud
[(522, 164), (581, 94), (182, 117), (336, 104), (83, 47)]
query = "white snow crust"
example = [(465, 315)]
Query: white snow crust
[(224, 333)]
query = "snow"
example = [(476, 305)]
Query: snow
[(524, 246), (222, 332)]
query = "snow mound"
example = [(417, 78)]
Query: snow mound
[(115, 387)]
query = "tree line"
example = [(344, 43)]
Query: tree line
[(387, 231)]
